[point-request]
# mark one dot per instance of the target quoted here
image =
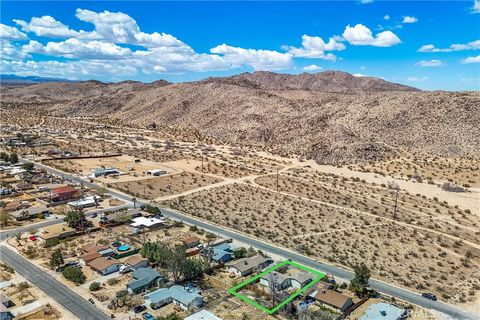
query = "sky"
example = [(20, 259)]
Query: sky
[(432, 45)]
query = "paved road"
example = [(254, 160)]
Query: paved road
[(380, 286), (66, 297)]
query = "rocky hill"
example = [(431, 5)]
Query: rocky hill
[(328, 81), (287, 114)]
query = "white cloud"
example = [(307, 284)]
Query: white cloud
[(476, 6), (315, 47), (75, 49), (258, 59), (365, 1), (9, 51), (46, 26), (11, 33), (416, 79), (473, 45), (312, 67), (430, 63), (471, 60), (359, 75), (386, 17), (360, 35), (409, 19)]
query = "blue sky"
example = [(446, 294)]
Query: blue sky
[(428, 44)]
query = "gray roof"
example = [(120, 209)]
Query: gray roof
[(32, 211), (299, 276), (175, 292), (245, 264), (143, 277)]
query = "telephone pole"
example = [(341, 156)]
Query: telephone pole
[(277, 180), (395, 206)]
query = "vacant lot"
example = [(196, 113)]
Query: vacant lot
[(378, 200), (163, 186), (461, 171), (396, 252)]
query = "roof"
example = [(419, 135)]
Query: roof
[(189, 240), (90, 256), (13, 205), (222, 247), (147, 222), (292, 274), (93, 247), (102, 263), (32, 211), (331, 297), (135, 259), (202, 315), (123, 214), (248, 263), (66, 189), (55, 230), (84, 201), (143, 277), (175, 292), (4, 298)]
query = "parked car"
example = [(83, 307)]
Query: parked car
[(429, 296), (124, 269), (139, 308), (94, 215), (148, 316)]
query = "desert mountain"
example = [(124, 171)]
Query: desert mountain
[(328, 81), (287, 114)]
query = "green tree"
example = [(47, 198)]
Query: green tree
[(28, 166), (4, 156), (94, 286), (76, 219), (172, 316), (74, 274), (240, 253), (56, 259), (5, 218), (13, 158), (361, 279)]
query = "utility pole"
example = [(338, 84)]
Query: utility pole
[(202, 162), (277, 180), (395, 206)]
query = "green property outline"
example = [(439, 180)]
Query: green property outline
[(234, 289)]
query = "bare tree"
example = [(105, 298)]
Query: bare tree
[(274, 285)]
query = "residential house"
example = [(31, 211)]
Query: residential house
[(56, 231), (191, 242), (221, 253), (291, 278), (85, 202), (156, 172), (30, 213), (5, 304), (332, 299), (120, 217), (105, 266), (103, 172), (202, 315), (245, 266), (144, 279), (14, 206), (148, 223), (64, 194), (86, 258), (185, 298), (136, 261)]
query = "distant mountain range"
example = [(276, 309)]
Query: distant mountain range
[(332, 116), (19, 80)]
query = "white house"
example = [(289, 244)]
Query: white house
[(156, 172)]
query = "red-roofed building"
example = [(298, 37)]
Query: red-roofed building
[(64, 193)]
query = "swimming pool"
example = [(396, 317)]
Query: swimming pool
[(383, 311), (124, 247)]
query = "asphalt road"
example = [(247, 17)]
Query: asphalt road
[(62, 294), (380, 286)]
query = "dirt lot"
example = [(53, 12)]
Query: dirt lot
[(461, 171), (156, 187), (395, 252)]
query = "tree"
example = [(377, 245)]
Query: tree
[(240, 253), (56, 259), (13, 158), (74, 274), (172, 316), (94, 286), (274, 286), (4, 156), (362, 276), (28, 166), (76, 219), (5, 218)]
